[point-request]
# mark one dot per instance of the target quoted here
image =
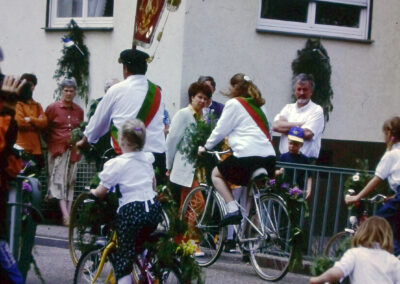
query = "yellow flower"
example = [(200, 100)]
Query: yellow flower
[(186, 248)]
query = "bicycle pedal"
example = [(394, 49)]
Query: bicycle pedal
[(101, 241)]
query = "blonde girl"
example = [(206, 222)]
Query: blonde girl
[(388, 168), (138, 211), (370, 260)]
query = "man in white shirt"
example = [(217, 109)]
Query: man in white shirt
[(125, 100), (303, 113)]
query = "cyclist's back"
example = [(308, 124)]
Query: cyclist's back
[(138, 210)]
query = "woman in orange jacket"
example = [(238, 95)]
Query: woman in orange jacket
[(31, 119)]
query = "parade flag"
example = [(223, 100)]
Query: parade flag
[(148, 14)]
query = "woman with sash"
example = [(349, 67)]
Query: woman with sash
[(245, 123)]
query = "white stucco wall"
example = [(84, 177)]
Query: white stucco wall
[(218, 38)]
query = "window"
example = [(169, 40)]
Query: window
[(86, 13), (328, 18)]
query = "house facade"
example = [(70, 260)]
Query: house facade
[(222, 37)]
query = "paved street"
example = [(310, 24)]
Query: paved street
[(52, 256)]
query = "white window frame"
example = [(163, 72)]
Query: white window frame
[(313, 29), (83, 22)]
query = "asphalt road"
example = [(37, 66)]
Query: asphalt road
[(52, 257)]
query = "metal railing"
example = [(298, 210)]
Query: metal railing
[(327, 210)]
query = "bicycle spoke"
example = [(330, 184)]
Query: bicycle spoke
[(271, 255), (202, 211)]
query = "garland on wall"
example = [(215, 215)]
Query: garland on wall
[(74, 62), (314, 59)]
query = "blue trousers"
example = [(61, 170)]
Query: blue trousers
[(8, 265), (134, 223), (391, 212)]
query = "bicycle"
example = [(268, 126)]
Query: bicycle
[(96, 264), (264, 233), (341, 241), (83, 237), (83, 234)]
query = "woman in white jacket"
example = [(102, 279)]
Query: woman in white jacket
[(180, 171), (245, 123)]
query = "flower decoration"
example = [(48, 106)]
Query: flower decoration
[(356, 177), (26, 186), (295, 191), (295, 203), (355, 183)]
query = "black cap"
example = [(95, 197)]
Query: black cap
[(133, 57)]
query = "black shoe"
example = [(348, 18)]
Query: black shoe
[(233, 218), (230, 246)]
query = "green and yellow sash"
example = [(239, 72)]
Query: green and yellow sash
[(146, 113), (256, 114)]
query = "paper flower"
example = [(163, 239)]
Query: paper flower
[(26, 187), (356, 177), (295, 191), (70, 43), (272, 181)]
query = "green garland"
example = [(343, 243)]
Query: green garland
[(314, 59), (73, 63), (195, 135), (177, 244)]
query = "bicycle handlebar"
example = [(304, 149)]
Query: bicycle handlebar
[(218, 153)]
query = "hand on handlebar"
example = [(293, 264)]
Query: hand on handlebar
[(83, 143), (348, 199), (201, 150)]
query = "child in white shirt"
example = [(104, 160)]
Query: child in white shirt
[(138, 211), (370, 260)]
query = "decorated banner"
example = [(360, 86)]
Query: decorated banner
[(148, 14)]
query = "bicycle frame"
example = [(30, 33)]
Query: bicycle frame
[(220, 200), (110, 246)]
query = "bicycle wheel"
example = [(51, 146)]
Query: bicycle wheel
[(81, 238), (271, 253), (170, 276), (205, 223), (337, 245), (87, 268), (163, 226)]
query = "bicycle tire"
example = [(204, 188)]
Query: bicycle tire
[(87, 268), (271, 255), (79, 242), (210, 234), (337, 245), (163, 226)]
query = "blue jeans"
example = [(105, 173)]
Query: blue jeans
[(391, 212)]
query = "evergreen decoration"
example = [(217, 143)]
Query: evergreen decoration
[(74, 62), (314, 59)]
